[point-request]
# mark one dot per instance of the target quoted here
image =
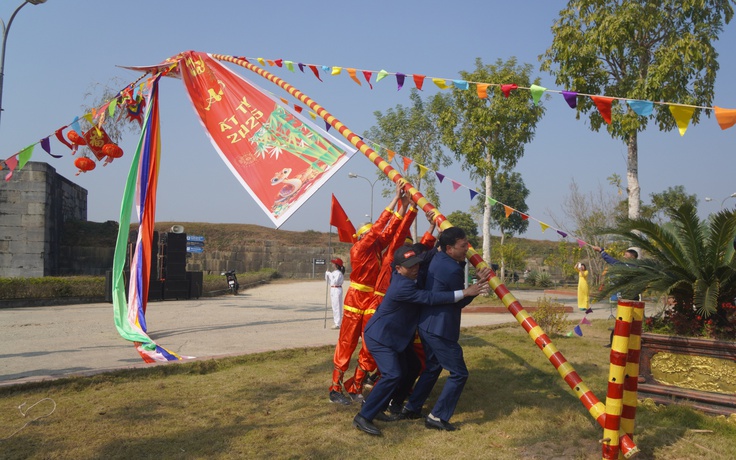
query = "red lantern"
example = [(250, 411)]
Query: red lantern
[(84, 164), (111, 151), (76, 139)]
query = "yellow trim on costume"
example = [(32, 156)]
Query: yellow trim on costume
[(358, 311), (361, 287), (382, 294)]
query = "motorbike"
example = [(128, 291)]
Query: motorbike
[(232, 281)]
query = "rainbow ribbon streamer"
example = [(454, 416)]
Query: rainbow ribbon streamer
[(141, 185)]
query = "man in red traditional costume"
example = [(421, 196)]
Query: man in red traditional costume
[(365, 259)]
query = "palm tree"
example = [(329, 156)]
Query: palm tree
[(687, 258)]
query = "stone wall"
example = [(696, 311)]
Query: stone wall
[(33, 206)]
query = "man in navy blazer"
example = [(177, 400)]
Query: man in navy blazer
[(391, 330), (439, 329)]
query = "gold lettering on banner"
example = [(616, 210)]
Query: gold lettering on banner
[(214, 96), (195, 67), (695, 372)]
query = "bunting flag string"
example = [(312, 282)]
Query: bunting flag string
[(508, 210), (577, 330), (682, 113), (20, 158)]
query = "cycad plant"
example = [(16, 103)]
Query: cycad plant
[(689, 259)]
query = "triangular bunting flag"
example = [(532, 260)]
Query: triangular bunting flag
[(544, 226), (336, 70), (569, 334), (440, 177), (562, 234), (313, 115), (400, 81), (279, 62), (491, 201), (440, 82), (11, 163), (391, 155), (581, 243), (327, 126), (46, 145), (315, 71), (506, 89), (261, 61), (75, 126), (524, 216), (585, 320), (298, 108), (60, 137), (407, 162), (326, 68), (682, 115), (270, 62), (508, 210), (455, 185), (381, 75), (422, 170), (301, 67), (460, 84), (289, 65), (641, 108), (604, 107), (578, 331), (473, 193), (24, 155), (537, 92), (725, 117), (367, 75), (419, 81), (354, 77), (571, 98), (482, 89)]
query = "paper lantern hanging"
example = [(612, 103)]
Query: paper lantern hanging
[(84, 164), (76, 140), (111, 151)]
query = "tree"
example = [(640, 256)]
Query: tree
[(512, 258), (686, 258), (465, 221), (673, 197), (564, 258), (511, 191), (654, 51), (489, 134), (412, 132)]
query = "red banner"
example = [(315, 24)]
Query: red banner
[(278, 156)]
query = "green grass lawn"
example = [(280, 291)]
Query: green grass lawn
[(275, 405)]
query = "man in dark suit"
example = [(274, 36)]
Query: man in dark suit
[(439, 329), (391, 330)]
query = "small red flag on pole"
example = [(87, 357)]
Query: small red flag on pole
[(340, 220)]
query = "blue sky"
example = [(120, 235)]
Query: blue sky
[(56, 52)]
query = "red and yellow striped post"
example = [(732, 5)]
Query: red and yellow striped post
[(631, 378), (568, 373), (616, 376)]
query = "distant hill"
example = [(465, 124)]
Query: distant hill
[(224, 237)]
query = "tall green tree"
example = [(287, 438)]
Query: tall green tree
[(637, 49), (489, 134), (411, 132), (511, 191)]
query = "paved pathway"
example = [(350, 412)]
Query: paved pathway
[(38, 343)]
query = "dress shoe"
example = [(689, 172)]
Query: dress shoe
[(395, 408), (363, 424), (407, 414), (339, 398), (356, 397), (437, 424), (384, 417)]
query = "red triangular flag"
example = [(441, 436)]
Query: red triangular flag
[(315, 72), (407, 162), (339, 220), (524, 216), (367, 74), (604, 106), (508, 88), (419, 81), (11, 163)]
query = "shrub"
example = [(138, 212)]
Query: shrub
[(551, 316), (544, 280), (532, 277)]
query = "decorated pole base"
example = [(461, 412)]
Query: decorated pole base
[(700, 373)]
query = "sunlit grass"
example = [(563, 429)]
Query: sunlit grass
[(275, 405)]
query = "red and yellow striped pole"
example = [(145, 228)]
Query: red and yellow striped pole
[(631, 378), (568, 373)]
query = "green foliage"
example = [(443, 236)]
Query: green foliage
[(565, 257), (513, 257), (509, 190), (532, 277), (551, 316), (655, 51), (689, 259), (412, 132), (544, 280), (465, 221)]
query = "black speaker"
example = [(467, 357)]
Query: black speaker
[(176, 289), (195, 280)]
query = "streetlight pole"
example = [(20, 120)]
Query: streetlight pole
[(355, 176), (5, 30), (733, 195)]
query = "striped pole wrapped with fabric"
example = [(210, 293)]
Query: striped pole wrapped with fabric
[(594, 406), (631, 379)]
